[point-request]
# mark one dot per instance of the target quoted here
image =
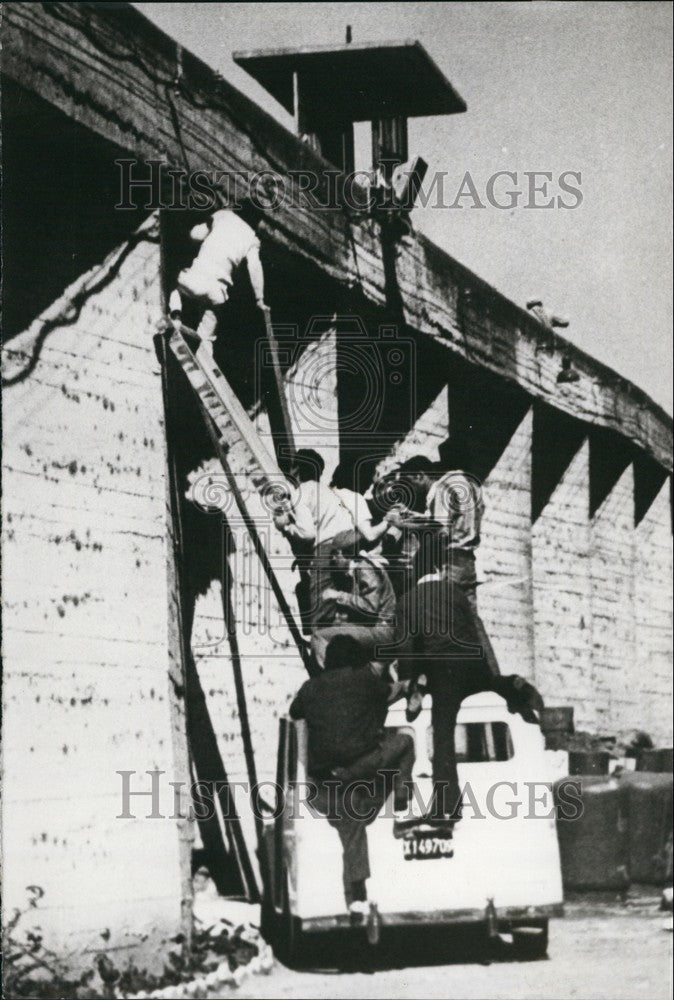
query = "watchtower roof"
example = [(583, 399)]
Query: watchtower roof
[(358, 81)]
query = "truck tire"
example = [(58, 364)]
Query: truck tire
[(531, 940)]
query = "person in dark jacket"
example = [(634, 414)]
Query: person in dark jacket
[(345, 709), (358, 600), (438, 638)]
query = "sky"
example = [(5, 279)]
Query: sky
[(583, 87)]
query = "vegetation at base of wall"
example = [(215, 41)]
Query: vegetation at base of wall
[(32, 970)]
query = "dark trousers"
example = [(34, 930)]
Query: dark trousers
[(319, 578), (315, 576), (449, 683), (446, 688), (394, 753), (355, 811), (460, 568)]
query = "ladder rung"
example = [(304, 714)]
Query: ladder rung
[(222, 403)]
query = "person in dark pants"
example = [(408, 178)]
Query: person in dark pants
[(345, 709), (454, 509), (437, 637)]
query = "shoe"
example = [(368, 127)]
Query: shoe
[(358, 911), (403, 824), (447, 822), (428, 825), (529, 693), (205, 349), (524, 699), (415, 702)]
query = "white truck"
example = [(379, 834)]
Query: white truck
[(498, 868)]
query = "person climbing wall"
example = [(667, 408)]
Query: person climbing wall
[(226, 241)]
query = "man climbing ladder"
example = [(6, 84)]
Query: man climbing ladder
[(226, 241)]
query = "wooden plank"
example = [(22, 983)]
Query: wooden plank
[(277, 407), (110, 69)]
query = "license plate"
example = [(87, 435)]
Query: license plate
[(420, 848)]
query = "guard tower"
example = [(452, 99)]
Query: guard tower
[(327, 88)]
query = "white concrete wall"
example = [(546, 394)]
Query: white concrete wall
[(86, 632), (652, 665), (562, 594)]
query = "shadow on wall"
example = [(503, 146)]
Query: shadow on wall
[(60, 185)]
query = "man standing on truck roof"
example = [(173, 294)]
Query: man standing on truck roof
[(345, 709)]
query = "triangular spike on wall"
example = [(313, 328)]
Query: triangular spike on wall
[(610, 455), (649, 476), (556, 439)]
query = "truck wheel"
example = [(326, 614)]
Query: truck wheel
[(531, 941)]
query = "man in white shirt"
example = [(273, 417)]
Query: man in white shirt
[(315, 516), (226, 241), (454, 508), (320, 513), (342, 485)]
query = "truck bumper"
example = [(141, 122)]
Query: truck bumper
[(506, 916)]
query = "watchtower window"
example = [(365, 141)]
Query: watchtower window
[(331, 87)]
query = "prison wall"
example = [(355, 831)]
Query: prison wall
[(562, 594), (90, 669), (504, 558), (71, 58), (91, 607), (578, 602), (612, 573), (652, 665)]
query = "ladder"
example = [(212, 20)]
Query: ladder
[(220, 403), (222, 410)]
